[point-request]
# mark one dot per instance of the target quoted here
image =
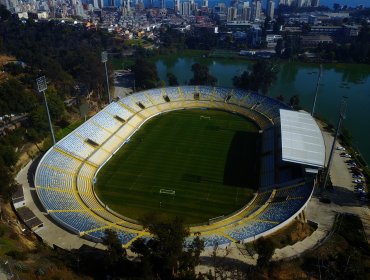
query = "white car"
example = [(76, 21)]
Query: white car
[(357, 181), (340, 148)]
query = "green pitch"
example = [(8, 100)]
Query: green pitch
[(208, 157)]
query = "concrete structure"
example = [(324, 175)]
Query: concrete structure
[(270, 9), (256, 10), (301, 139), (176, 6), (185, 9), (314, 40), (232, 13)]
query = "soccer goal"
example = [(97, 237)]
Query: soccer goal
[(166, 191), (205, 117)]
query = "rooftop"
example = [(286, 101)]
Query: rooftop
[(301, 138)]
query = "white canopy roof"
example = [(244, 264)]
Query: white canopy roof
[(301, 138)]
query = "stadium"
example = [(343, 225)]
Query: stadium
[(267, 184)]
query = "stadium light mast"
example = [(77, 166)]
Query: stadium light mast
[(316, 91), (104, 59), (41, 88), (342, 116)]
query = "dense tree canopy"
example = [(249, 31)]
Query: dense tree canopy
[(164, 255), (146, 75), (201, 75), (172, 80), (15, 98), (263, 74)]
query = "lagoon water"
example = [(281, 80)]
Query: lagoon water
[(338, 80)]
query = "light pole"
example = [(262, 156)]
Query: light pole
[(316, 91), (104, 59), (41, 88), (342, 116)]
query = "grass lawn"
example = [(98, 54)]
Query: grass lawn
[(211, 163)]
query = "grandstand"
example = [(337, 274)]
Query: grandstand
[(65, 176)]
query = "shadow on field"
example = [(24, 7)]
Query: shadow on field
[(242, 162)]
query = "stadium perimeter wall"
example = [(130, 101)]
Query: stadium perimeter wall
[(260, 119)]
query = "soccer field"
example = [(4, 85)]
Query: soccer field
[(209, 158)]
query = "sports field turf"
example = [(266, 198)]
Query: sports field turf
[(210, 163)]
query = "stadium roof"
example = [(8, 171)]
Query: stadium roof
[(301, 138)]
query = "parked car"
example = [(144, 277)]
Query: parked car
[(340, 148), (357, 181), (355, 168), (359, 176)]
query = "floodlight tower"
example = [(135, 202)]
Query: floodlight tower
[(342, 116), (316, 91), (104, 59), (41, 88)]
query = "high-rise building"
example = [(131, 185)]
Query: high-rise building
[(246, 14), (285, 2), (205, 3), (234, 3), (150, 4), (232, 13), (176, 5), (185, 9), (193, 5), (163, 4), (101, 4), (256, 10), (300, 3), (270, 9), (96, 4), (315, 3), (6, 3)]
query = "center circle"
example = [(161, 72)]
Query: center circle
[(197, 164)]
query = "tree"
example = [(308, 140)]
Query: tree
[(294, 102), (263, 74), (164, 256), (265, 249), (8, 185), (279, 47), (4, 13), (55, 103), (172, 80), (146, 75), (201, 75), (115, 252)]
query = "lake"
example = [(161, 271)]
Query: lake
[(351, 80)]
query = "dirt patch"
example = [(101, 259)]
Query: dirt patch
[(292, 233), (4, 59)]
